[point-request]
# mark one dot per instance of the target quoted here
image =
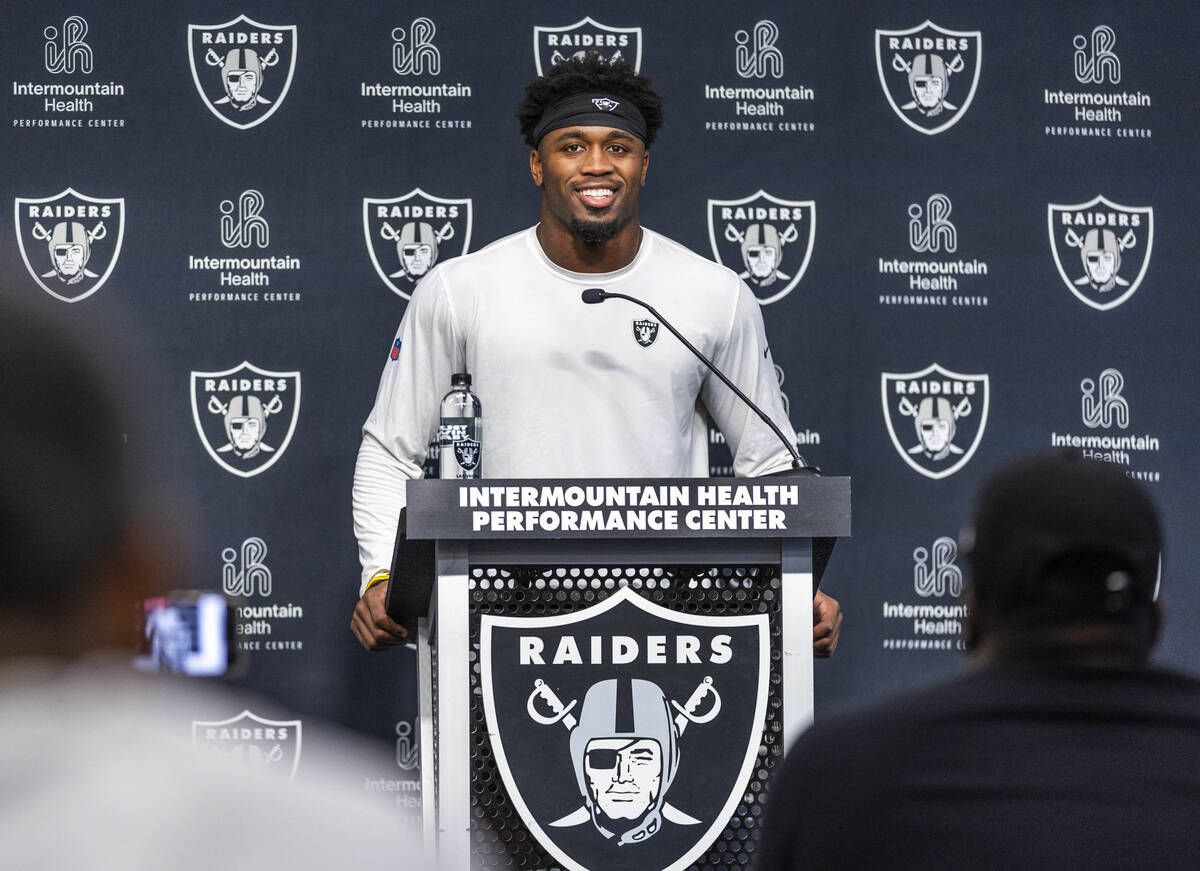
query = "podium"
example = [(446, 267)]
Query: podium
[(610, 668)]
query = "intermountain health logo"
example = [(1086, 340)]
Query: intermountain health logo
[(768, 241), (1101, 248), (929, 74), (420, 97), (247, 270), (932, 280), (246, 577), (252, 740), (245, 416), (242, 69), (70, 242), (1098, 108), (625, 733), (760, 102), (553, 45), (69, 97), (935, 417), (1104, 412), (935, 620), (408, 235)]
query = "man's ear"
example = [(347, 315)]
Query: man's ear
[(535, 167), (645, 165)]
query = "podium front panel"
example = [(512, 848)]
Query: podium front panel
[(499, 837)]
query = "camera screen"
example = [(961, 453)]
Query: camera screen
[(186, 633)]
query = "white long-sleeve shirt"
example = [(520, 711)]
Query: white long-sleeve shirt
[(567, 390)]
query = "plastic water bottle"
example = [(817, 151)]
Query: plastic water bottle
[(460, 434)]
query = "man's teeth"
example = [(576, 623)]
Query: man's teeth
[(597, 193)]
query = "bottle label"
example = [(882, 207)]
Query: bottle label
[(461, 452)]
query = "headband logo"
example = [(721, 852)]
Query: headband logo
[(604, 104)]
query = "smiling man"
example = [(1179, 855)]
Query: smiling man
[(573, 390)]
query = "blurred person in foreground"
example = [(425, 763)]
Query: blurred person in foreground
[(97, 764), (1060, 747)]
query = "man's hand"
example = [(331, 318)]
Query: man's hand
[(371, 625), (827, 625)]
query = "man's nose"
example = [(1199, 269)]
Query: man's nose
[(598, 161)]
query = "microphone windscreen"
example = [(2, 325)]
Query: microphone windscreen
[(593, 295)]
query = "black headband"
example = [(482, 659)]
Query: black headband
[(591, 110)]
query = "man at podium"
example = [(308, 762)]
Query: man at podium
[(569, 389)]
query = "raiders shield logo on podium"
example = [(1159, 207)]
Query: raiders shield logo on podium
[(625, 733)]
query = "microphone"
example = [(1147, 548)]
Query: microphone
[(594, 295)]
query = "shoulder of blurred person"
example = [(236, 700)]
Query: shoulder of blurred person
[(1058, 712)]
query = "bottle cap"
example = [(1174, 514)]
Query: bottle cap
[(460, 378)]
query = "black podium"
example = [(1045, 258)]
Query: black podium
[(610, 668)]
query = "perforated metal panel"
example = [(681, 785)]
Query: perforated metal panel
[(499, 837)]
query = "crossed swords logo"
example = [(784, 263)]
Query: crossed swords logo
[(269, 60), (686, 713), (900, 65), (391, 234), (963, 409), (1124, 243), (216, 406), (791, 234), (43, 235)]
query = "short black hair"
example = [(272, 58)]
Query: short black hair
[(592, 72)]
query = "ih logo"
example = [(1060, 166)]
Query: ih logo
[(625, 733), (922, 68), (756, 54), (948, 412), (413, 51), (243, 225), (408, 749), (241, 68), (1103, 406), (244, 573), (1111, 242), (934, 573), (645, 332), (408, 235), (251, 740), (768, 241), (70, 242), (233, 411), (929, 227), (1095, 61), (553, 45), (65, 50)]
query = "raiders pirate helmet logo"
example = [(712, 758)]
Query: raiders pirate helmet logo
[(553, 45), (408, 235), (935, 417), (645, 332), (768, 241), (242, 69), (70, 242), (273, 745), (1101, 248), (625, 733), (928, 74), (245, 416)]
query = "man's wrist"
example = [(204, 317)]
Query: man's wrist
[(375, 579)]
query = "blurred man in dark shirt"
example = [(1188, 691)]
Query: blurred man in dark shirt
[(1059, 748)]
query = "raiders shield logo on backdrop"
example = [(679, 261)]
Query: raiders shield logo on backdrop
[(70, 242), (252, 740), (766, 240), (245, 416), (553, 45), (645, 332), (409, 235), (625, 733), (1101, 249), (928, 73), (241, 68), (948, 413)]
